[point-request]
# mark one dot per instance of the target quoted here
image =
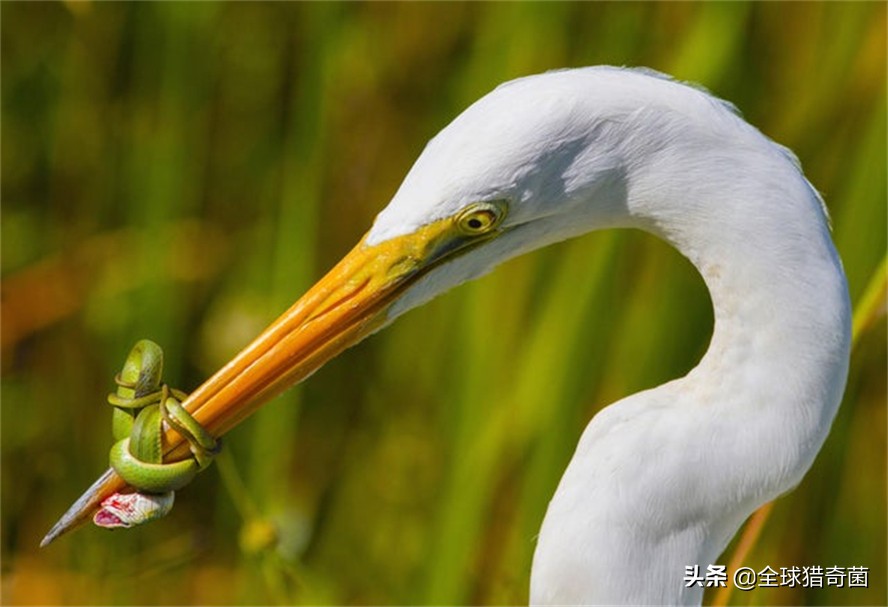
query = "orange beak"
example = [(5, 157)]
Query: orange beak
[(346, 305)]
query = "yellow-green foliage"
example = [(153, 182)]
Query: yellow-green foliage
[(183, 171)]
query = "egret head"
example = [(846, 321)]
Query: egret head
[(547, 156), (561, 154)]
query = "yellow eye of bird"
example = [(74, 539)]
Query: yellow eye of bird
[(481, 217)]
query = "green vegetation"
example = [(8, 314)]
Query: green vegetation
[(183, 171)]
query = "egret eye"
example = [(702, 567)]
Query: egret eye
[(481, 217)]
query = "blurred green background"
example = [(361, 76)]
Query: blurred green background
[(183, 172)]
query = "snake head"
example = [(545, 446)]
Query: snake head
[(125, 510)]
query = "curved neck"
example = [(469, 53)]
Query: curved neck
[(781, 339), (738, 430)]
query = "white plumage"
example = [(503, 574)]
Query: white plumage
[(662, 479)]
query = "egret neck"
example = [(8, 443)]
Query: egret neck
[(663, 479)]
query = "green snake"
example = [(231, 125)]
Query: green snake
[(142, 403)]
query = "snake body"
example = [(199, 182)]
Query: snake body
[(141, 406)]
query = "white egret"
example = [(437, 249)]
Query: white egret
[(660, 480)]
